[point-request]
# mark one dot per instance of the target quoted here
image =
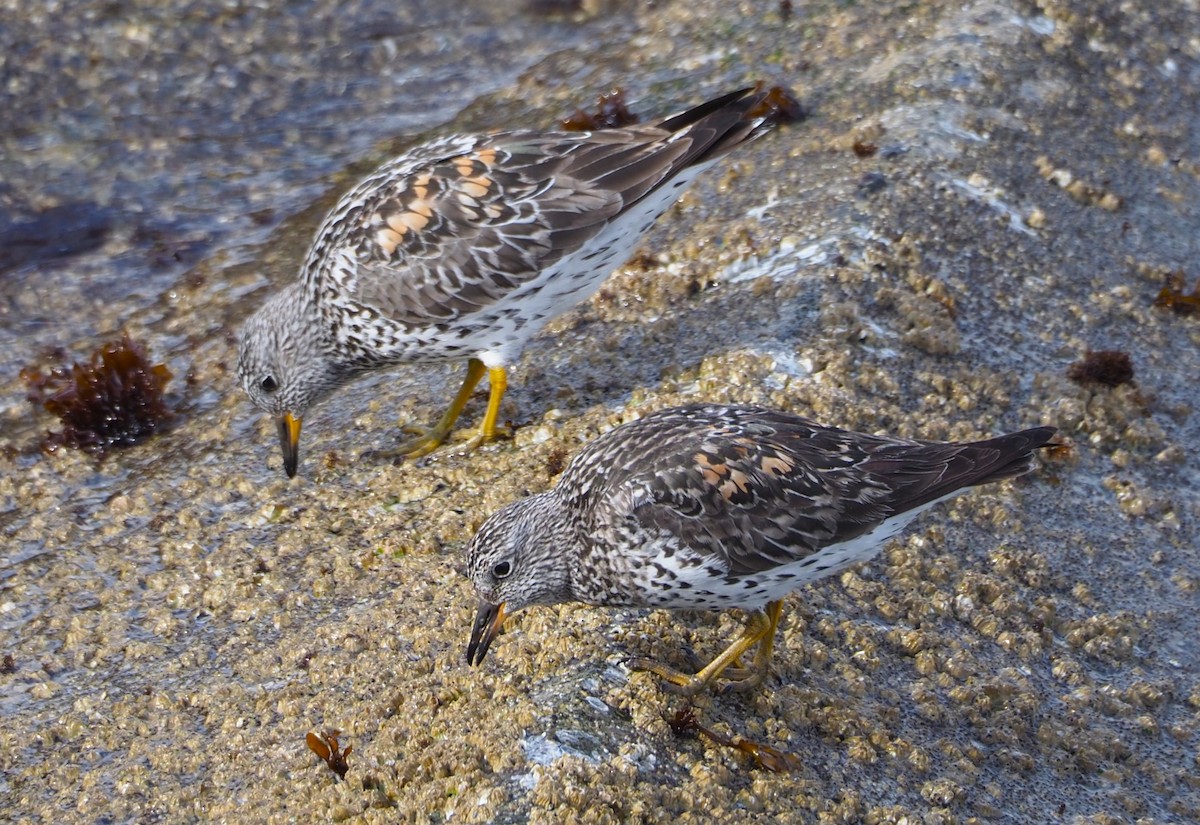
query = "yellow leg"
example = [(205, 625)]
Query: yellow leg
[(760, 628), (497, 384), (428, 440)]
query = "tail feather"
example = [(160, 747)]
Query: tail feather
[(719, 125), (679, 122), (923, 474), (639, 162), (1013, 452)]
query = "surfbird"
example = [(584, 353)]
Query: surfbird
[(711, 507), (464, 247)]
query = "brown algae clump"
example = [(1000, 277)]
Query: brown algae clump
[(1108, 367), (325, 745), (611, 113), (684, 722), (113, 401), (779, 104), (1172, 296)]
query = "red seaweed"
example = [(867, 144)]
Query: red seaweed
[(779, 104), (611, 113), (114, 400), (325, 745), (772, 759)]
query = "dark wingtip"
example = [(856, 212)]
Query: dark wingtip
[(721, 124), (768, 103), (1012, 454), (696, 113), (1043, 436), (1026, 441)]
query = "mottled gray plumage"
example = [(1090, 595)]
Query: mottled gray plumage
[(463, 248), (711, 507)]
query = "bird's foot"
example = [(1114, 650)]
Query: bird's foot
[(427, 439), (760, 630), (742, 679), (732, 680), (480, 438), (424, 442), (674, 681)]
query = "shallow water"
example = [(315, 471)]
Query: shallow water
[(145, 138), (179, 615)]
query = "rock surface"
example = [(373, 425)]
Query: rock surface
[(984, 193)]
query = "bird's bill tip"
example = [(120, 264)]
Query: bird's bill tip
[(488, 619), (289, 441)]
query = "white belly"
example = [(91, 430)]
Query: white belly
[(707, 588)]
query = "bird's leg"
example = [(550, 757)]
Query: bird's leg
[(497, 384), (742, 679), (428, 439), (760, 627)]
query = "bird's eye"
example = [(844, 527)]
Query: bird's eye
[(502, 570), (269, 384)]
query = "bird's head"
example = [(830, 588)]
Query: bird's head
[(284, 367), (520, 556)]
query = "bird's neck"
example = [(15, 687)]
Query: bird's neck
[(557, 536), (306, 313)]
